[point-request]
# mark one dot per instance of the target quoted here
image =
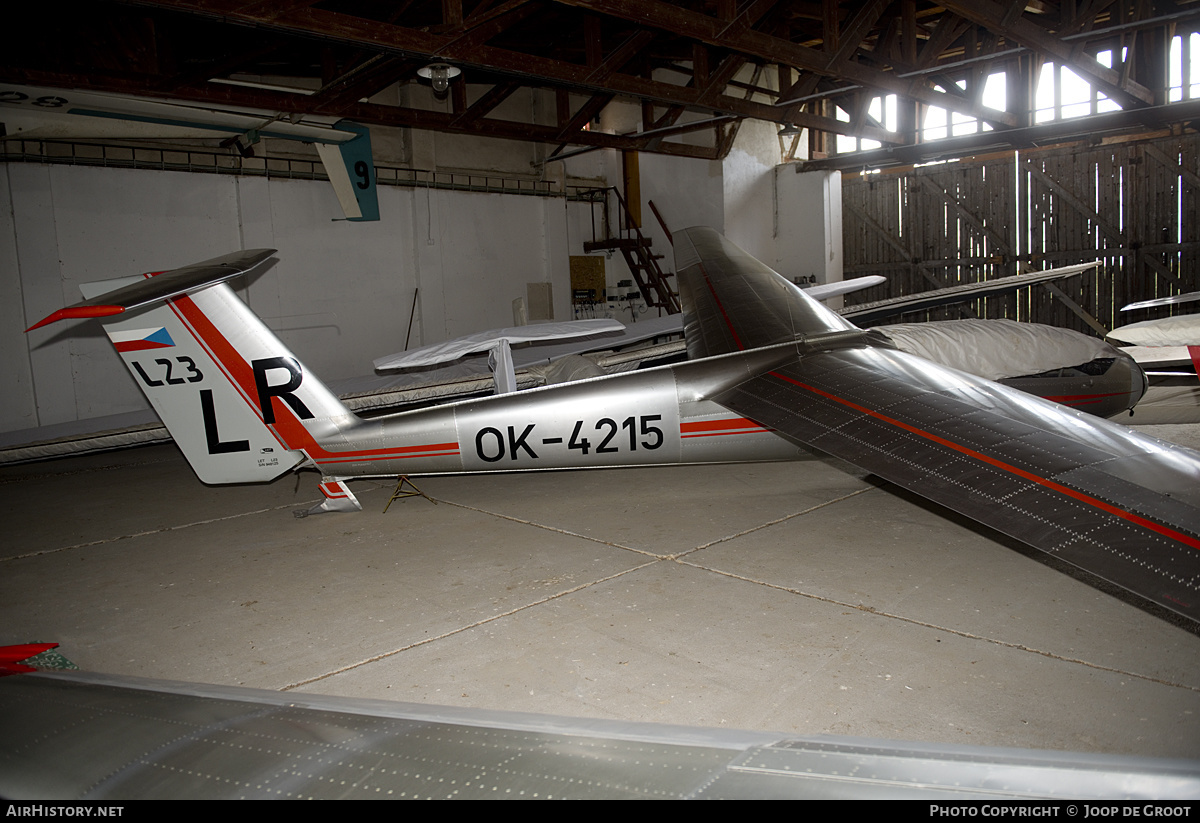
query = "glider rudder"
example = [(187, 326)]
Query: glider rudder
[(238, 403)]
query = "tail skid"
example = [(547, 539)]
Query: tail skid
[(338, 498)]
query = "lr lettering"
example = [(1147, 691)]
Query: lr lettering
[(215, 444), (266, 390)]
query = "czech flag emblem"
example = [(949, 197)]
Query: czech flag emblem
[(141, 339)]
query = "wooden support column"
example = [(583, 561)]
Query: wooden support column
[(633, 187)]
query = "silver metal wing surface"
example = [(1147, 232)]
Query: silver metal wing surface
[(1115, 503)]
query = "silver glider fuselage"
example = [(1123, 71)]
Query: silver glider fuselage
[(651, 417), (768, 368)]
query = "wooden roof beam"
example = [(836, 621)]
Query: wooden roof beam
[(493, 97), (368, 81), (704, 28), (1011, 22), (425, 45), (482, 25), (634, 45), (586, 113), (400, 117)]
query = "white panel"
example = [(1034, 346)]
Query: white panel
[(558, 255), (748, 174), (485, 248), (254, 212), (17, 410), (344, 289), (540, 298), (339, 293), (688, 192), (41, 290), (116, 222), (809, 238), (260, 290), (113, 223)]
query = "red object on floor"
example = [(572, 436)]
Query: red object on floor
[(11, 657)]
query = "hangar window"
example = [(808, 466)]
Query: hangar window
[(1184, 68), (1060, 94), (881, 113), (939, 123)]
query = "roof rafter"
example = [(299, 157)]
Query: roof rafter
[(683, 62), (1020, 29), (709, 30), (540, 70)]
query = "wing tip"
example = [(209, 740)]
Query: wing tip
[(76, 312)]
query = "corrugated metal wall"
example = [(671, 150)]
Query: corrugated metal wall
[(1133, 205)]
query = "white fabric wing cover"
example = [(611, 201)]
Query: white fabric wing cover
[(996, 349)]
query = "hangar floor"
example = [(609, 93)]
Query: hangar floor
[(801, 598)]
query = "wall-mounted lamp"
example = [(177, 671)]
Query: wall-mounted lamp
[(440, 75), (790, 130)]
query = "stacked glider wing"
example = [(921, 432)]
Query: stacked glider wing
[(1120, 505)]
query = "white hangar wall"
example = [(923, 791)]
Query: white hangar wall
[(339, 293), (751, 218), (792, 222)]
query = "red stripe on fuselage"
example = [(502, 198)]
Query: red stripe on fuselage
[(432, 450), (287, 427), (715, 428)]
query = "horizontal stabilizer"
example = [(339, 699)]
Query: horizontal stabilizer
[(161, 286), (824, 291), (486, 340)]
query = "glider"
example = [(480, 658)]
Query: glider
[(37, 113), (769, 368)]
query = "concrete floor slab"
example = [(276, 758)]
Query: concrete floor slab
[(923, 564), (793, 597), (653, 645), (663, 510), (76, 501)]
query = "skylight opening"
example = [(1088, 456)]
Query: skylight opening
[(1061, 93)]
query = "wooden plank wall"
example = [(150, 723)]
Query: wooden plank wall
[(1132, 205)]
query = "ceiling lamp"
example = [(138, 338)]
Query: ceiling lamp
[(440, 75)]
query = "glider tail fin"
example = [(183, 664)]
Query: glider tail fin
[(238, 403)]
